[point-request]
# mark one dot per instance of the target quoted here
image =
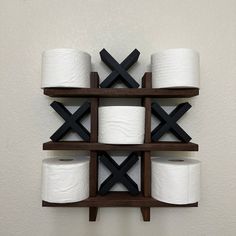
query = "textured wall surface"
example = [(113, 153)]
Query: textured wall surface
[(27, 27)]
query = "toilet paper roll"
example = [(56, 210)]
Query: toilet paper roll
[(176, 181), (121, 124), (65, 68), (175, 68), (65, 180)]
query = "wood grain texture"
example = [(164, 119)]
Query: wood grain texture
[(146, 174), (158, 146), (117, 199), (93, 174), (120, 199), (147, 103), (94, 108), (121, 92), (146, 213), (93, 169), (93, 213), (146, 156)]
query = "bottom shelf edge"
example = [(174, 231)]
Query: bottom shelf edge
[(118, 199)]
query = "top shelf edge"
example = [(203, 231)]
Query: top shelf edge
[(121, 92)]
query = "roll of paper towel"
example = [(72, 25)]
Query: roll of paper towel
[(175, 68), (65, 68), (121, 124), (65, 180), (176, 181)]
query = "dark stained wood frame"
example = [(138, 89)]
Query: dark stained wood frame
[(158, 146), (146, 157), (122, 92), (93, 172), (117, 199), (120, 199)]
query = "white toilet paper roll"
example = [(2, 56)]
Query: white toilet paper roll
[(121, 124), (176, 181), (175, 68), (65, 68), (65, 180)]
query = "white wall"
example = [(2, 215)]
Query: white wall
[(27, 27)]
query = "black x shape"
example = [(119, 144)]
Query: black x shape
[(119, 173), (71, 121), (119, 70), (168, 122)]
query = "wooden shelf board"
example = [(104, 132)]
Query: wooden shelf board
[(117, 199), (121, 92), (159, 146)]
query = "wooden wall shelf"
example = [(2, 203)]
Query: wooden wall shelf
[(159, 146), (117, 199), (120, 199), (121, 92)]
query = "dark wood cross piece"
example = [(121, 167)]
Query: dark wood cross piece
[(72, 121), (119, 71), (168, 122), (119, 173)]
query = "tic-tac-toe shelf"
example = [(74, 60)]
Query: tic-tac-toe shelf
[(118, 199), (159, 146), (143, 199)]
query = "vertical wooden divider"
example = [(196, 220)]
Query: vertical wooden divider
[(146, 156), (93, 171)]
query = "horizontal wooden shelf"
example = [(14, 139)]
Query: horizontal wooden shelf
[(159, 146), (117, 199), (121, 92)]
